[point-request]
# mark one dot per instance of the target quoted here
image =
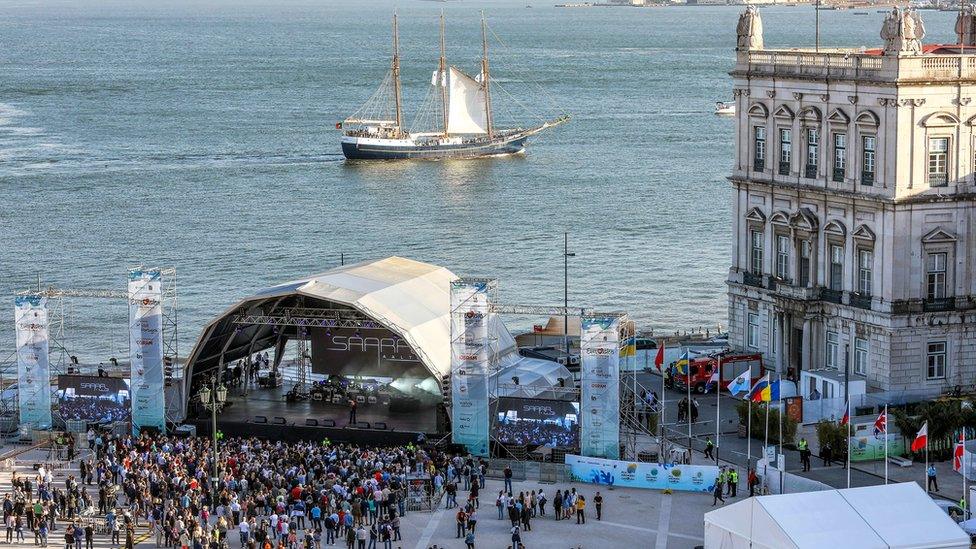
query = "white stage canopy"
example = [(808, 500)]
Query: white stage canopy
[(893, 516)]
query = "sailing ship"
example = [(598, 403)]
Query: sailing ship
[(467, 129)]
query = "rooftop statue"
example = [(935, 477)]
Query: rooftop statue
[(749, 31), (902, 32), (966, 26)]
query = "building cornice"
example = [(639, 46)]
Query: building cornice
[(915, 199)]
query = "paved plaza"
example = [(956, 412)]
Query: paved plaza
[(632, 518)]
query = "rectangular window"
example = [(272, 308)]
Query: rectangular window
[(753, 330), (756, 238), (936, 360), (804, 266), (840, 157), (836, 281), (867, 159), (785, 150), (831, 350), (860, 356), (935, 271), (865, 271), (759, 148), (783, 257), (938, 161), (813, 152)]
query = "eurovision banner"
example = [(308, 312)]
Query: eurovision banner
[(866, 446), (146, 349), (33, 365), (630, 474), (600, 386), (469, 364)]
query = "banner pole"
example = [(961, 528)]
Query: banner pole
[(688, 406), (847, 435), (886, 443), (782, 474), (926, 477), (662, 405), (718, 406), (749, 430)]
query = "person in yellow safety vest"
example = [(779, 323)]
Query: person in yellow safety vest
[(721, 477), (804, 449), (709, 447), (733, 481)]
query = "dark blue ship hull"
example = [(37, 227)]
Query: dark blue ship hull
[(356, 151)]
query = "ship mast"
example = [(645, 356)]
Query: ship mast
[(396, 75), (442, 75), (484, 73)]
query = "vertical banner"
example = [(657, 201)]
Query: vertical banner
[(470, 364), (33, 365), (146, 349), (600, 382)]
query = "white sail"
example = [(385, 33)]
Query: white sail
[(466, 113)]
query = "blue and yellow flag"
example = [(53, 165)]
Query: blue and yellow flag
[(682, 365), (629, 347)]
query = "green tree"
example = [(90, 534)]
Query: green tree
[(759, 422)]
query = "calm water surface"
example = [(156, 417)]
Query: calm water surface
[(200, 136)]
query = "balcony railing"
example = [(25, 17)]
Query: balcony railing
[(811, 171), (852, 64), (939, 305), (839, 174), (938, 179), (861, 301), (799, 293), (758, 165), (784, 168), (833, 296), (867, 178), (752, 279)]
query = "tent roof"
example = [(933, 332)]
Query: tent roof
[(409, 297), (896, 515)]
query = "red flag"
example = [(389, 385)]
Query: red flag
[(659, 359), (847, 417), (958, 452), (881, 424), (922, 438)]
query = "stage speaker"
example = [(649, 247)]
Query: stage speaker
[(404, 404)]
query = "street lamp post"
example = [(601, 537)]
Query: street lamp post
[(566, 255), (213, 398)]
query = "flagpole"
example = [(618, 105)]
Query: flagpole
[(847, 434), (766, 435), (688, 407), (749, 427), (782, 474), (886, 443), (661, 404), (718, 405), (926, 476)]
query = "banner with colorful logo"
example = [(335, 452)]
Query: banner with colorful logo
[(146, 349), (600, 386), (33, 363), (631, 474), (867, 444), (469, 364)]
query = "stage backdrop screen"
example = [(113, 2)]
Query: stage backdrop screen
[(93, 398), (537, 421), (343, 351)]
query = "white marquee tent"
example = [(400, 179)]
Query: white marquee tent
[(893, 516)]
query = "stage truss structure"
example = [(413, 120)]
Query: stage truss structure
[(59, 347)]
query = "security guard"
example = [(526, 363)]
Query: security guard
[(709, 446), (733, 481)]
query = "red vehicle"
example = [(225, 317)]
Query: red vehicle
[(701, 369)]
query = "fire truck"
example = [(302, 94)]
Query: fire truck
[(701, 368)]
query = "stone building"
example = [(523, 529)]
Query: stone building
[(854, 194)]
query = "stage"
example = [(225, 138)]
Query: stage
[(265, 412)]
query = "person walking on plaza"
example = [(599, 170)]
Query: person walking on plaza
[(717, 494), (804, 449), (598, 502), (508, 479), (827, 454), (933, 479), (542, 503), (733, 482), (752, 480), (557, 504), (709, 447), (462, 523), (580, 509)]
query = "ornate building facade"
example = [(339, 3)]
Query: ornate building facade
[(854, 190)]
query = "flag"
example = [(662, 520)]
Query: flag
[(630, 348), (682, 365), (881, 424), (847, 416), (740, 384), (659, 359), (958, 452), (922, 438), (765, 390), (712, 381)]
